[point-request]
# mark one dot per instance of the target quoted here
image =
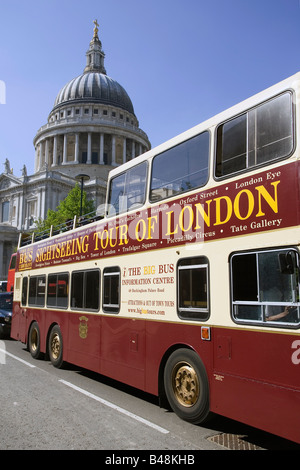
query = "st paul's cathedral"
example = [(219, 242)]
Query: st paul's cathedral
[(91, 129)]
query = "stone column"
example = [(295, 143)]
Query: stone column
[(101, 149), (54, 151), (76, 148), (38, 212), (65, 149), (47, 153), (43, 201), (20, 213), (133, 150), (124, 150), (36, 163), (113, 150), (89, 149), (41, 155)]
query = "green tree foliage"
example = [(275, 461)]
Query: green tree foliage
[(66, 211)]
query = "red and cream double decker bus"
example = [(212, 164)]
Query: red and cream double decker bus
[(188, 288)]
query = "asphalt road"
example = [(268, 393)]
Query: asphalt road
[(44, 408)]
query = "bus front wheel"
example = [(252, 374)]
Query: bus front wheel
[(186, 386), (34, 339), (55, 347)]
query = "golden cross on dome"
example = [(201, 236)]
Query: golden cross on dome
[(96, 28)]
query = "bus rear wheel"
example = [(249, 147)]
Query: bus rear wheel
[(186, 386), (55, 347), (34, 340)]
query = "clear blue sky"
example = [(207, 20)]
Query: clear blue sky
[(181, 61)]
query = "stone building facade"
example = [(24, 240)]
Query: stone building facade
[(91, 129)]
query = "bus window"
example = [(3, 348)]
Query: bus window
[(24, 291), (127, 190), (92, 289), (85, 289), (180, 168), (261, 291), (261, 135), (193, 298), (111, 290), (77, 290), (57, 291), (37, 290)]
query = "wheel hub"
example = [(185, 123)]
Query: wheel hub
[(186, 384), (55, 346), (34, 340)]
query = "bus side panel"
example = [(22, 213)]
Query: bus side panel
[(18, 323), (263, 371), (163, 338), (265, 356), (21, 321), (123, 350), (258, 404), (83, 341)]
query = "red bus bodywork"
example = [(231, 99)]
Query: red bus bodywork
[(253, 373), (242, 380), (11, 273)]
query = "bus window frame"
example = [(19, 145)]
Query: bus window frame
[(30, 278), (61, 307), (246, 112), (109, 307), (263, 322), (84, 271), (109, 205), (205, 131), (193, 313), (25, 278)]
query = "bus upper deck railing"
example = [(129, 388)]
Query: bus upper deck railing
[(31, 237)]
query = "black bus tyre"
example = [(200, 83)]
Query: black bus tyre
[(55, 347), (34, 340), (186, 386)]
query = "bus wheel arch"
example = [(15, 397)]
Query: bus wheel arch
[(34, 340), (163, 400), (55, 346), (186, 386)]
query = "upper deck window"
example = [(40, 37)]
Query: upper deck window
[(261, 135), (127, 190), (181, 168)]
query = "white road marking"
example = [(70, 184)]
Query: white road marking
[(117, 408), (95, 397), (17, 358)]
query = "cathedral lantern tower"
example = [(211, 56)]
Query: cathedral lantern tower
[(95, 55)]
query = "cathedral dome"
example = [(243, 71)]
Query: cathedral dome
[(95, 87), (92, 126)]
